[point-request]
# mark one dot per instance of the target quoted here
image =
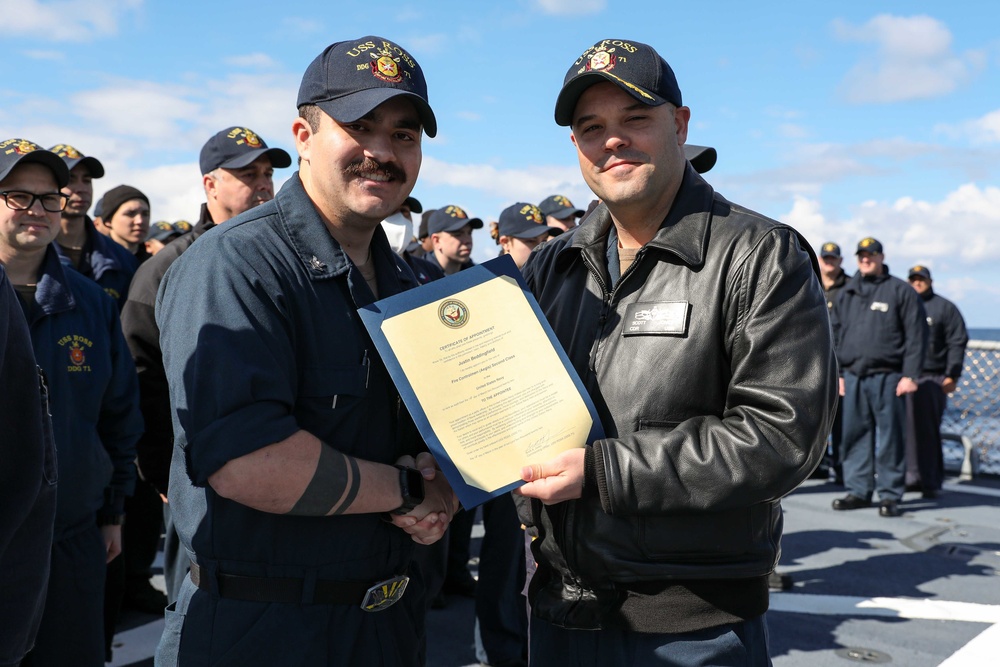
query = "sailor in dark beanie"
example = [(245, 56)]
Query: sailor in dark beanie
[(125, 212)]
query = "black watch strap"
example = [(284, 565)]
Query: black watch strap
[(411, 487)]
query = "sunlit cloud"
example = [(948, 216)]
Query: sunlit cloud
[(250, 60), (913, 59), (982, 130), (65, 20), (571, 7)]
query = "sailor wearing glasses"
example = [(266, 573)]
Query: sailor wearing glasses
[(94, 399)]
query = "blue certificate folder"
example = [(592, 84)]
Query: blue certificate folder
[(378, 313)]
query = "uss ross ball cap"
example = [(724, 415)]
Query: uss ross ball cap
[(236, 147), (351, 78), (73, 157), (21, 151), (634, 67), (869, 244), (524, 221), (830, 249), (450, 219)]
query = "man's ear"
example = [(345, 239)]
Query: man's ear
[(208, 182), (302, 132)]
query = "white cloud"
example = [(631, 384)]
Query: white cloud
[(140, 109), (298, 25), (38, 54), (511, 185), (959, 228), (806, 217), (469, 115), (133, 118), (792, 131), (251, 60), (426, 43), (965, 287), (807, 168), (571, 7), (983, 130), (65, 20), (149, 134), (913, 60), (175, 191)]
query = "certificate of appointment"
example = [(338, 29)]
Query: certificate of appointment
[(483, 376)]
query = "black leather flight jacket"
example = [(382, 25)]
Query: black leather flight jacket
[(712, 368)]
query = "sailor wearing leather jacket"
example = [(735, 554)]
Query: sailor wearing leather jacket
[(700, 330)]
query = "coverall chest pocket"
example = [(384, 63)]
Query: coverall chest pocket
[(332, 400)]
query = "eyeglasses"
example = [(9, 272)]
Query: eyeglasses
[(19, 200)]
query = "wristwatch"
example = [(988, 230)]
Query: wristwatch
[(411, 487)]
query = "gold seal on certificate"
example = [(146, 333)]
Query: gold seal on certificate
[(483, 378)]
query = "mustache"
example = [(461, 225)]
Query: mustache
[(368, 165)]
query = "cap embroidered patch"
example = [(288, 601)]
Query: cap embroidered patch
[(531, 212), (244, 137), (601, 60), (385, 67), (63, 150), (19, 147)]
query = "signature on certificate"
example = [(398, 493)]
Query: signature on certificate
[(546, 440)]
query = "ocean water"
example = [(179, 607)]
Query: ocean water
[(984, 334)]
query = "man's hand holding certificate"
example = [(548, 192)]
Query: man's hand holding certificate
[(483, 376)]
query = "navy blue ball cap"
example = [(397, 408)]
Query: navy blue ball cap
[(634, 67), (413, 204), (868, 244), (559, 207), (73, 157), (351, 78), (20, 151), (236, 147), (523, 221), (829, 249), (161, 231), (920, 271), (702, 158), (450, 219)]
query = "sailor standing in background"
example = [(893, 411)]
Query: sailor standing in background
[(946, 341)]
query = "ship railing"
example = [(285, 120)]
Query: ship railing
[(970, 430)]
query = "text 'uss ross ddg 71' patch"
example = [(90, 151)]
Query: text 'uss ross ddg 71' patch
[(663, 318)]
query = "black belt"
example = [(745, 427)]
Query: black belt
[(370, 597)]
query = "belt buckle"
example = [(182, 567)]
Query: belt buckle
[(384, 594)]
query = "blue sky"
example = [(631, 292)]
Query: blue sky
[(843, 119)]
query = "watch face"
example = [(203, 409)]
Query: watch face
[(411, 487), (414, 491)]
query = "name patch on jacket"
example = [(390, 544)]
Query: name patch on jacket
[(880, 306), (662, 318)]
